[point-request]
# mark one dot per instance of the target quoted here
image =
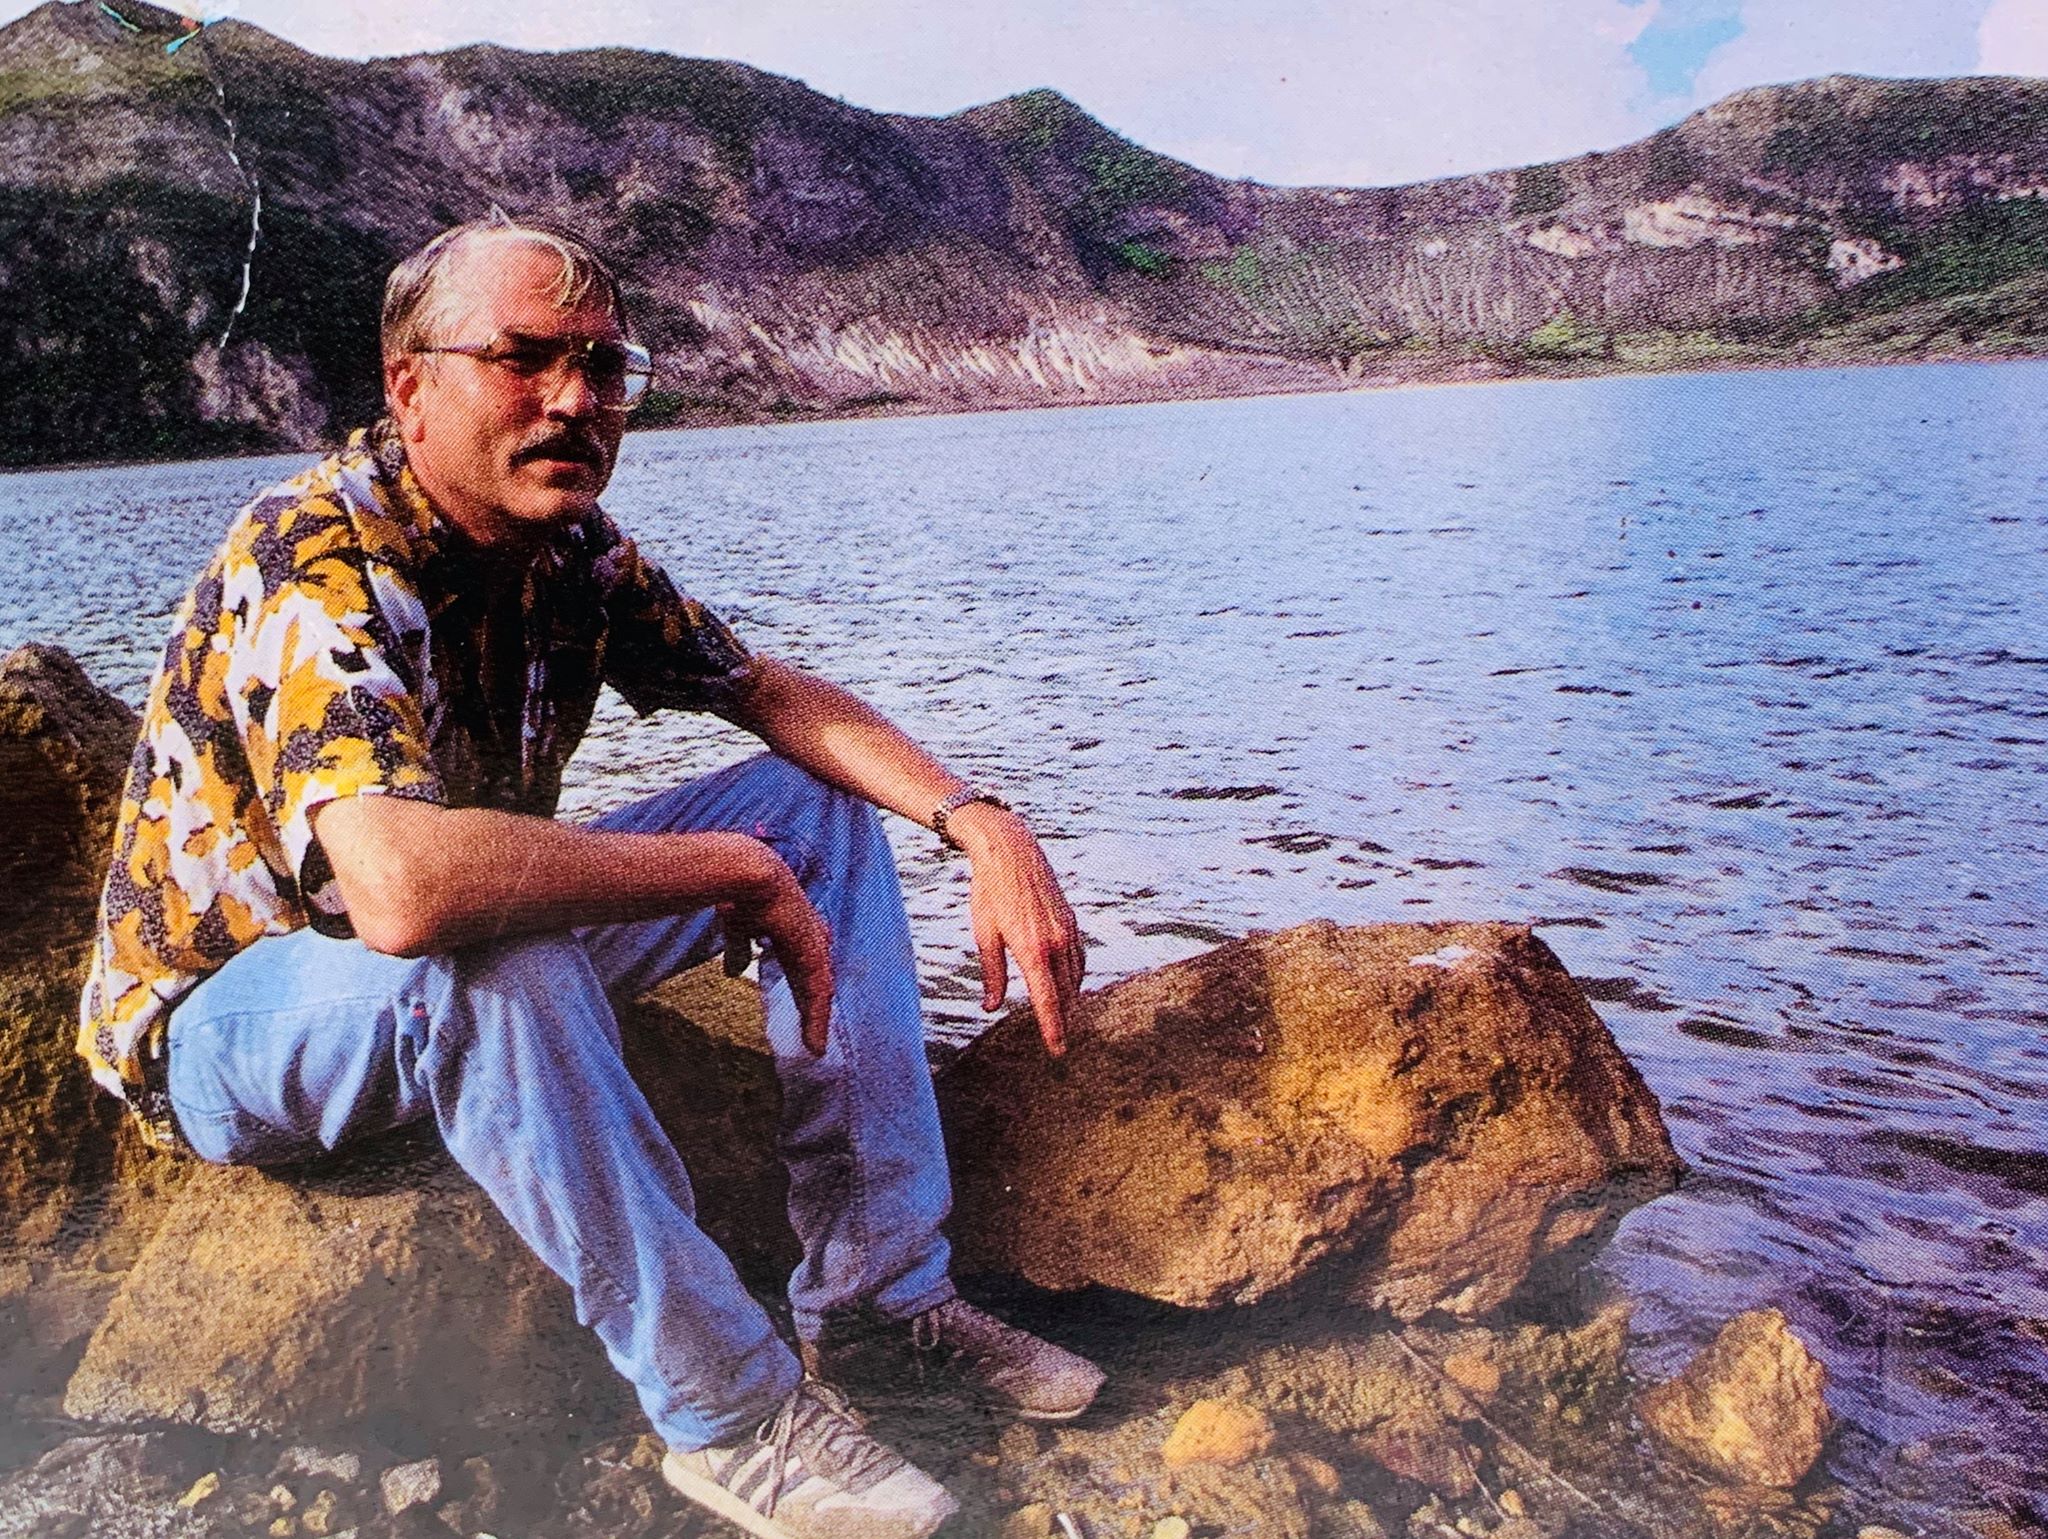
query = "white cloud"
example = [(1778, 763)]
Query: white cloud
[(2013, 38)]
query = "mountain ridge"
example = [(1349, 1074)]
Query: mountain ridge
[(787, 254)]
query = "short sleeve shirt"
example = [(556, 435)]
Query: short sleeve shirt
[(347, 641)]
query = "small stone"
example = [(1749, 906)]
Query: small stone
[(1032, 1522), (202, 1488), (318, 1518), (646, 1453), (282, 1499), (1429, 1453), (310, 1463), (1749, 1408), (1225, 1432), (1512, 1504), (1521, 1528), (1175, 1527), (284, 1527), (407, 1486), (1319, 1474), (1878, 1531), (1473, 1372)]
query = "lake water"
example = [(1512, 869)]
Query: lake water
[(1737, 684)]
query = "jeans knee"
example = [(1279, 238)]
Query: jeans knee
[(525, 984)]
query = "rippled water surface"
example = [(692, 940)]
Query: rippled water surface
[(1737, 684)]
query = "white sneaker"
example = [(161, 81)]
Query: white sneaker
[(811, 1471)]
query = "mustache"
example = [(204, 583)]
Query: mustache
[(564, 444)]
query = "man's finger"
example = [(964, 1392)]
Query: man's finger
[(812, 986), (995, 973), (1048, 1003)]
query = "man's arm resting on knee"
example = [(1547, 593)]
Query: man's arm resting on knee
[(419, 878), (1016, 905)]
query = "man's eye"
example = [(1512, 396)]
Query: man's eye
[(525, 357), (606, 362)]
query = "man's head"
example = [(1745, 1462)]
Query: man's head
[(500, 369)]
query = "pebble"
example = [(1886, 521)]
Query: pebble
[(318, 1517), (282, 1499), (311, 1464), (1175, 1527), (1223, 1432), (407, 1486), (1878, 1531), (1319, 1473), (202, 1488), (1512, 1504)]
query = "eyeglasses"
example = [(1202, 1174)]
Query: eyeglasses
[(618, 373)]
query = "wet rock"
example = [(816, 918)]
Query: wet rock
[(387, 1294), (1435, 1104), (1749, 1408), (1217, 1432), (407, 1486)]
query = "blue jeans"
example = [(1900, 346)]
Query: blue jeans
[(302, 1043)]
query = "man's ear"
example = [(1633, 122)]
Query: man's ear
[(402, 384)]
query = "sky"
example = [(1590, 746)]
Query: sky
[(1350, 92)]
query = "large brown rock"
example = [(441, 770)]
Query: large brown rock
[(382, 1288), (1435, 1104), (64, 747), (387, 1296), (1750, 1408)]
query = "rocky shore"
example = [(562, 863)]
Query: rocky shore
[(1321, 1202)]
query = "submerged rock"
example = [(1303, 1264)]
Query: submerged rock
[(1436, 1104), (1749, 1408)]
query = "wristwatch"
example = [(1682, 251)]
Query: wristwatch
[(964, 797)]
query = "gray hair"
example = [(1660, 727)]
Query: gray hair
[(419, 294)]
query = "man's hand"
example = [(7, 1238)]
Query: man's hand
[(1019, 912), (419, 879), (783, 918)]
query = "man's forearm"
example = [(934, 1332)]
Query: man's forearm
[(843, 741), (418, 878)]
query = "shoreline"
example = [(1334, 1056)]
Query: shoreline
[(1423, 373)]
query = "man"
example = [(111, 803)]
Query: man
[(339, 901)]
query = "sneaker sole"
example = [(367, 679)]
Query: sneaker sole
[(715, 1499)]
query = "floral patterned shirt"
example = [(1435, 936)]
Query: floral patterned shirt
[(347, 641)]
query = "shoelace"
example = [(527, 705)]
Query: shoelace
[(940, 1329), (828, 1437)]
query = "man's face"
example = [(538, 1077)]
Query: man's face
[(504, 454)]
